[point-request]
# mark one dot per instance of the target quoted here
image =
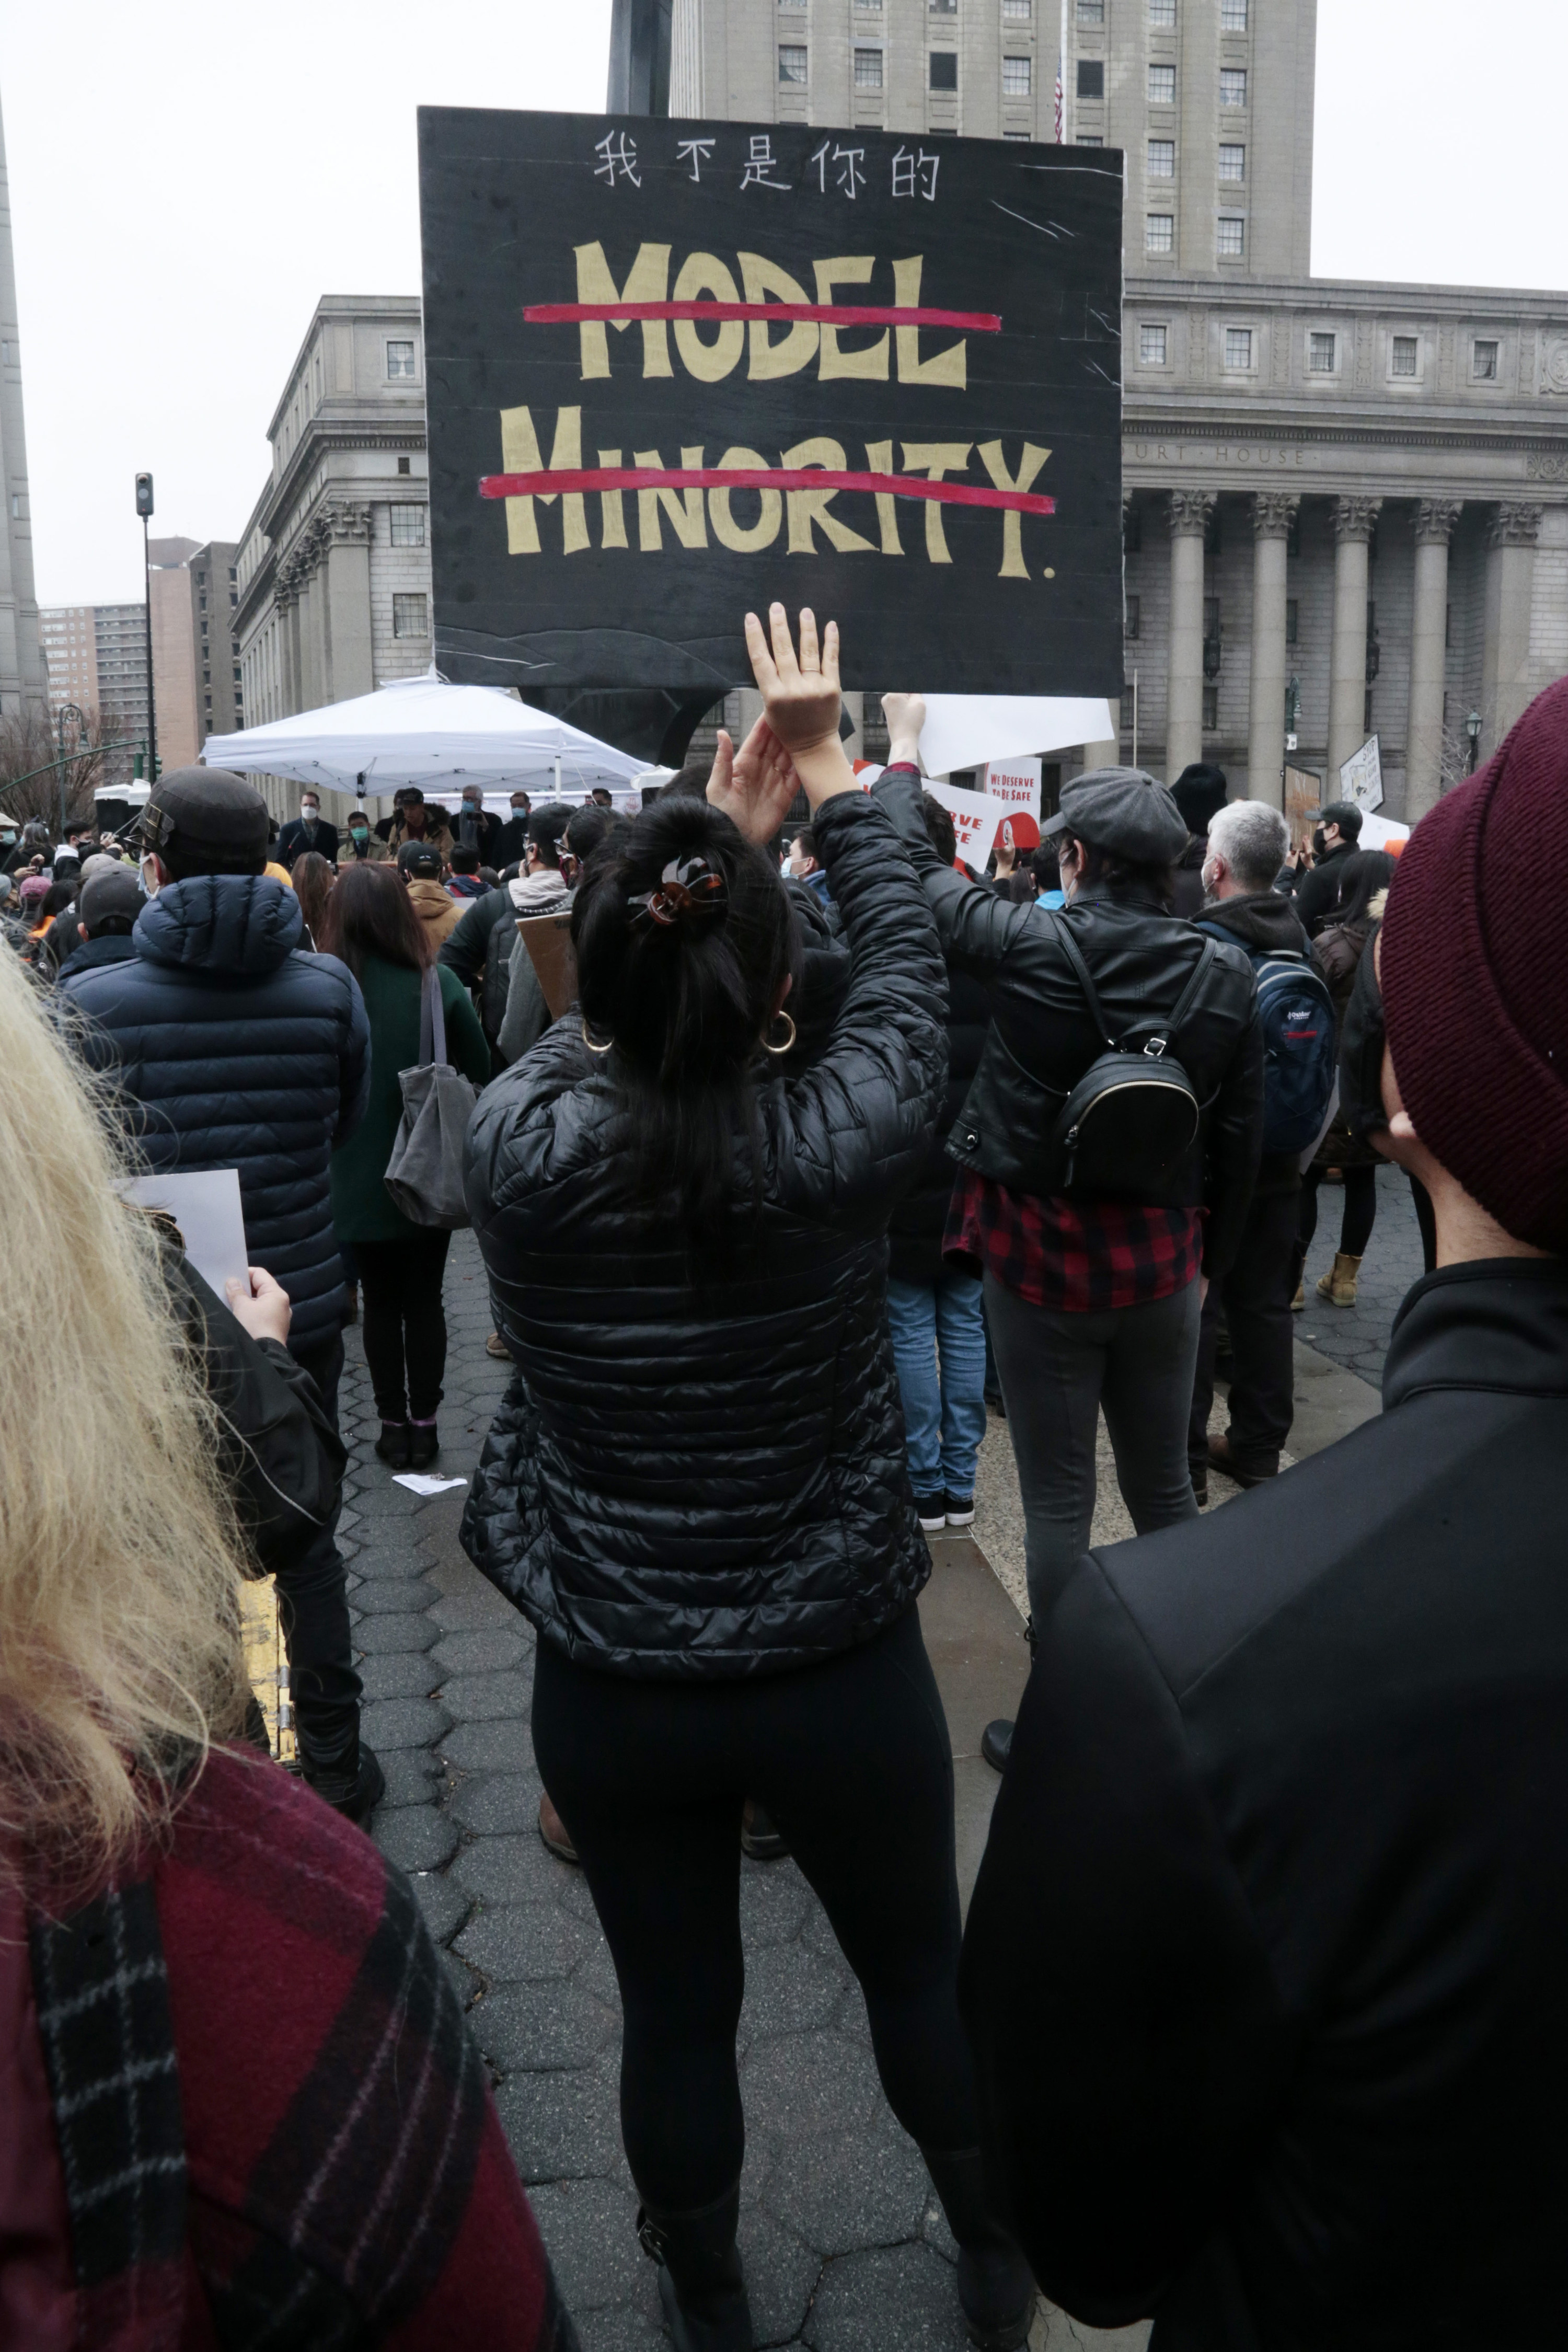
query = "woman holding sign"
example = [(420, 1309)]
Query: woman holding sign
[(696, 1489)]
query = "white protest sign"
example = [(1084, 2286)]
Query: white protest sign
[(975, 817), (1015, 783), (963, 730), (1361, 778), (205, 1204)]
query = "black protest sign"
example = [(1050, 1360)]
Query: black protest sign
[(676, 369)]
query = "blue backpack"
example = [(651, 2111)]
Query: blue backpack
[(1299, 1052)]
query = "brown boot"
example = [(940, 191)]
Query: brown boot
[(1338, 1285), (555, 1833)]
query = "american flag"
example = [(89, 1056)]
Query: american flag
[(1058, 101)]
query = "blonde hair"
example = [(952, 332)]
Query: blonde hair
[(120, 1556)]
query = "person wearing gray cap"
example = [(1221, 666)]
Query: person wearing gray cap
[(1106, 1150), (244, 1051), (107, 905)]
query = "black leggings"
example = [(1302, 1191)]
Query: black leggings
[(1359, 1209), (852, 1759), (403, 1322)]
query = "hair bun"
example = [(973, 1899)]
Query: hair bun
[(690, 891)]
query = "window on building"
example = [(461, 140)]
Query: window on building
[(1211, 617), (1405, 354), (1152, 346), (1321, 354), (407, 526), (237, 677), (1367, 714), (1091, 12), (233, 598), (1162, 16), (1238, 347), (1232, 162), (1233, 16), (1087, 139), (1016, 134), (1159, 233), (945, 7), (403, 466), (410, 616), (1091, 77), (869, 7), (232, 572), (1292, 620), (1483, 364), (1016, 77), (797, 4), (792, 61), (202, 602), (1162, 85), (1230, 242), (1132, 616), (1232, 86), (943, 73), (1211, 710), (399, 359), (1017, 11), (1162, 159), (867, 68)]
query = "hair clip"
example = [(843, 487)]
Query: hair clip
[(689, 888)]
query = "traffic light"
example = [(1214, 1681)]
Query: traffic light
[(143, 494)]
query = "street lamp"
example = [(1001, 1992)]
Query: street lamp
[(1473, 730), (145, 508), (67, 710)]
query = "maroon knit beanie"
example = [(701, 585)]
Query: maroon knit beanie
[(1475, 977)]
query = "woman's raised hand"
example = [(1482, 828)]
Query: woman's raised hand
[(906, 716), (754, 785), (801, 698)]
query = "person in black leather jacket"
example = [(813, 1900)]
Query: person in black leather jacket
[(696, 1489), (1091, 1302)]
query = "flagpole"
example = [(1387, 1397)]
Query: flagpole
[(1062, 77)]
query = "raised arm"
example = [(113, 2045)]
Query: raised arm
[(975, 927)]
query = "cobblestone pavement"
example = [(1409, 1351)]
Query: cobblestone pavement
[(1357, 1336), (845, 2249)]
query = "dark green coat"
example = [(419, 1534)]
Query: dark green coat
[(362, 1205)]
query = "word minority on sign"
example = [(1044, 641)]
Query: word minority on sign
[(677, 370)]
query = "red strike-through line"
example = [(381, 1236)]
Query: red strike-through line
[(549, 482), (825, 314)]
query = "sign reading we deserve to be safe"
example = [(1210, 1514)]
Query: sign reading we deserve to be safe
[(676, 369)]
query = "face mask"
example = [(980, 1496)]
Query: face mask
[(150, 877), (359, 833), (1320, 841), (519, 809), (1209, 877), (309, 812)]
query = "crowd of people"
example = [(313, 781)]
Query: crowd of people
[(1254, 2022)]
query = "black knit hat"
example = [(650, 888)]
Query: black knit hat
[(206, 808), (1200, 792)]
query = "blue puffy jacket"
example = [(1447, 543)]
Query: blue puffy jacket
[(241, 1050)]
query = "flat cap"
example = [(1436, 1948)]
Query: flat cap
[(109, 889), (210, 806), (1125, 812), (421, 860)]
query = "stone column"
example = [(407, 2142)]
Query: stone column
[(1510, 593), (1190, 512), (1273, 512), (1435, 520), (1353, 521), (346, 571)]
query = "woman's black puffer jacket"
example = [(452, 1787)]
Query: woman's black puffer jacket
[(690, 1484)]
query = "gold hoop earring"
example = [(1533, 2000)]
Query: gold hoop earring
[(608, 1047), (789, 1042)]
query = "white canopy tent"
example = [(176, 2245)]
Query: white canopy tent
[(423, 731)]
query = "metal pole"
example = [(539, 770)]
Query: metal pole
[(1135, 719), (60, 738), (152, 719)]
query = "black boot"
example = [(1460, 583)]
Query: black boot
[(993, 2283), (393, 1444), (700, 2283), (423, 1443)]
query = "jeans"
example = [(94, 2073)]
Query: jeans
[(852, 1759), (944, 1404), (403, 1324), (1255, 1296), (1058, 1370)]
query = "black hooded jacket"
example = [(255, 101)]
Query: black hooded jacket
[(1268, 924), (694, 1482), (1272, 1928)]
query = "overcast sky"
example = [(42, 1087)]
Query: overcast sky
[(187, 178)]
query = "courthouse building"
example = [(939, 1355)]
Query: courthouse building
[(333, 567), (1346, 504)]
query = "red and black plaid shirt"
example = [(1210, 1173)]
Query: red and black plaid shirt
[(1082, 1259)]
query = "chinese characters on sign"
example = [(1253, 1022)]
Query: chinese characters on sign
[(670, 390)]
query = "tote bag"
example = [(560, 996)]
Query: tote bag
[(425, 1173)]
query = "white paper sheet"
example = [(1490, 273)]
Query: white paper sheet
[(961, 730), (975, 817), (420, 1482), (205, 1204)]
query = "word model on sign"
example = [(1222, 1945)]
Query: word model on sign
[(677, 370)]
